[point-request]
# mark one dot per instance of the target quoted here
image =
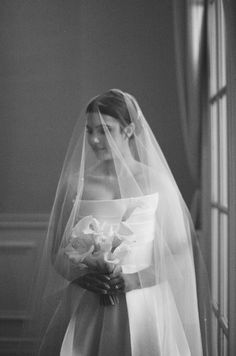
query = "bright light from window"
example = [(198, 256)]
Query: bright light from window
[(195, 25)]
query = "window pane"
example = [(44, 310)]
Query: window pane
[(214, 153), (224, 266), (223, 153), (214, 256), (213, 49), (222, 46)]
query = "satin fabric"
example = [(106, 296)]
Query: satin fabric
[(124, 329)]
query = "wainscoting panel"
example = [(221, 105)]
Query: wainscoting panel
[(21, 240)]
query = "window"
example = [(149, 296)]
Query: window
[(219, 209)]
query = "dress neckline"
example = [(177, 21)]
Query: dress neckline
[(119, 199)]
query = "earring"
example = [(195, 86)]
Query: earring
[(128, 132)]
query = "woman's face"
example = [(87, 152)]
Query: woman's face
[(97, 136)]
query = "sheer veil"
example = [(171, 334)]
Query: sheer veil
[(170, 261)]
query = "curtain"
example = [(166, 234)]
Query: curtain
[(190, 35)]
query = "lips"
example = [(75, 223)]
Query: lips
[(98, 149)]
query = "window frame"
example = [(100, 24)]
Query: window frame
[(207, 205)]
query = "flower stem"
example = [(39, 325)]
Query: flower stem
[(107, 300)]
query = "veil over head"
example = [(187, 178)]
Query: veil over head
[(97, 157)]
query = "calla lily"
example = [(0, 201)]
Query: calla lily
[(102, 244)]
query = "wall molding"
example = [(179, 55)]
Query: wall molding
[(10, 346), (14, 316), (24, 221), (17, 245), (21, 238)]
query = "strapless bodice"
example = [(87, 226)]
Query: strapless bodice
[(120, 209), (138, 213)]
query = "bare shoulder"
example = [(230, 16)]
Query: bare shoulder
[(143, 169), (146, 177), (72, 184)]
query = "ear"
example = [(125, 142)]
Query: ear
[(129, 130)]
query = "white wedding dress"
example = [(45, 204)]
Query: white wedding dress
[(146, 321)]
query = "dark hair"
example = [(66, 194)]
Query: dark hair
[(111, 103)]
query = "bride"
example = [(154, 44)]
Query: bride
[(117, 274)]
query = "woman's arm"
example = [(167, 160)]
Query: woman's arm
[(125, 282)]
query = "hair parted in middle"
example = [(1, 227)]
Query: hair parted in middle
[(111, 103)]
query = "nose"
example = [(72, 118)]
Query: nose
[(95, 139)]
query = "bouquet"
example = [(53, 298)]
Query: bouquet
[(100, 246)]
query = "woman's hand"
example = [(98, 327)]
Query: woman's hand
[(95, 282), (114, 283), (122, 283)]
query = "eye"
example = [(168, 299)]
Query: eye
[(101, 130), (89, 131)]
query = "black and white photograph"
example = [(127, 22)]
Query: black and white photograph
[(118, 177)]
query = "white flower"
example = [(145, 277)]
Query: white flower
[(102, 244)]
